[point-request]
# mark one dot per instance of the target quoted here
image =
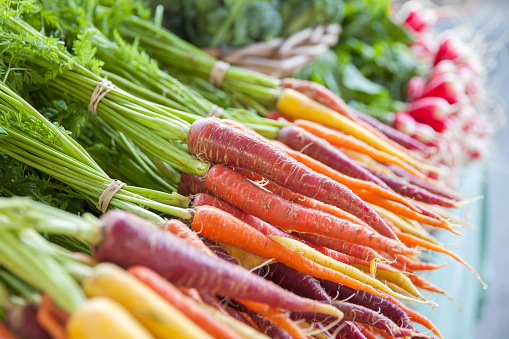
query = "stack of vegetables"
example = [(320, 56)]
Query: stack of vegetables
[(308, 226)]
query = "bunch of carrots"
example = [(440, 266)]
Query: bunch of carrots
[(316, 233)]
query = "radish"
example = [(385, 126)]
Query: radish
[(419, 18), (415, 88), (445, 86), (430, 108)]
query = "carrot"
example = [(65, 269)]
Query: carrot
[(325, 261), (5, 333), (414, 192), (277, 317), (426, 285), (59, 315), (191, 184), (103, 318), (240, 192), (267, 229), (49, 322), (219, 226), (131, 240), (416, 316), (354, 184), (297, 105), (414, 241), (361, 252), (405, 263), (339, 139), (211, 140), (184, 304), (366, 331), (182, 231), (320, 149), (405, 211), (298, 198), (265, 325)]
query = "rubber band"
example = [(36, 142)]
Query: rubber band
[(108, 194), (218, 72), (215, 111), (100, 91)]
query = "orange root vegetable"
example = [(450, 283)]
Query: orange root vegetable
[(184, 304), (277, 317), (50, 322), (299, 198), (411, 240), (182, 231), (242, 193), (405, 263), (219, 226), (342, 140), (5, 333), (298, 106), (405, 211), (355, 185)]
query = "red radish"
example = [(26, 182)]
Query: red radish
[(449, 48), (442, 125), (442, 68), (210, 139), (406, 123), (447, 87), (430, 108), (415, 88), (425, 47), (130, 240), (419, 18)]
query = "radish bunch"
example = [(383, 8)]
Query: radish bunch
[(444, 109)]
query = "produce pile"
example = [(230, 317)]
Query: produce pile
[(150, 191)]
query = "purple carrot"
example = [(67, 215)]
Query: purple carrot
[(354, 250), (211, 140), (320, 149), (368, 300), (265, 325), (424, 184), (130, 240), (192, 184), (348, 331), (395, 135), (224, 309), (219, 251), (414, 192)]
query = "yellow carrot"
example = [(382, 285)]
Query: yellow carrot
[(103, 318), (246, 259), (298, 106), (161, 319), (325, 261), (396, 277)]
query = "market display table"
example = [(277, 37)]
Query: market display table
[(456, 279)]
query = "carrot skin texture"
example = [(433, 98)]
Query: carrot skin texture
[(317, 148), (405, 263), (240, 192), (224, 309), (180, 229), (220, 226), (361, 252), (299, 198), (211, 140), (373, 302), (184, 304), (219, 251), (414, 192), (191, 184), (266, 326), (267, 229), (130, 240), (393, 134), (349, 331), (424, 184)]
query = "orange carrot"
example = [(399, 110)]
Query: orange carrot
[(416, 316), (276, 316), (49, 322), (217, 225), (366, 331), (242, 193), (354, 184), (404, 211), (342, 140), (405, 263), (420, 282), (411, 240), (299, 198), (5, 333), (184, 304), (192, 292), (181, 230)]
